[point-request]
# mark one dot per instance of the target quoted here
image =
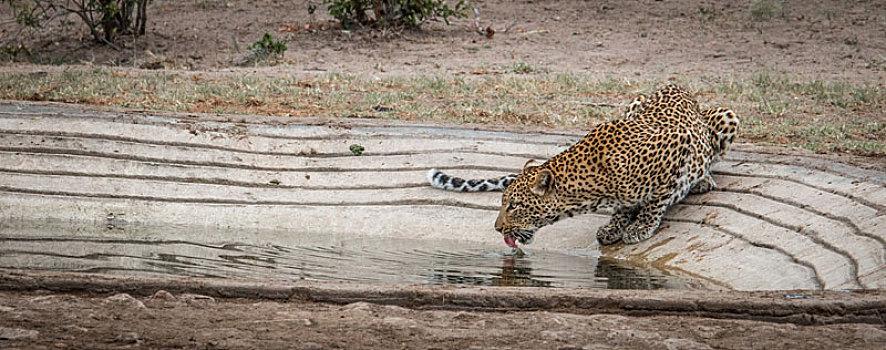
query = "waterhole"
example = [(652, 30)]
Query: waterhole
[(364, 260)]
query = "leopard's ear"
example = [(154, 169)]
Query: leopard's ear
[(544, 181), (529, 163)]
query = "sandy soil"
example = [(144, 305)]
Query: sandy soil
[(77, 312), (711, 43), (829, 39), (190, 322)]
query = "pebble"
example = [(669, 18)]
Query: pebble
[(358, 306), (872, 335), (312, 346), (399, 322), (684, 344), (53, 299), (128, 338), (17, 333), (72, 327), (162, 294), (125, 300), (197, 297)]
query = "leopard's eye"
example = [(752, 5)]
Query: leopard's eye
[(510, 206)]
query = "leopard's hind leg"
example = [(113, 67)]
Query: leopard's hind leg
[(650, 212), (724, 124)]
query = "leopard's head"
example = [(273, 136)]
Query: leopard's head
[(528, 204)]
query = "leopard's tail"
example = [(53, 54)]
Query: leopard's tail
[(451, 183)]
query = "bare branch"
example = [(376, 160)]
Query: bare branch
[(104, 18), (599, 104)]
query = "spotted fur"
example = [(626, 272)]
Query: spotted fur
[(440, 180), (662, 150)]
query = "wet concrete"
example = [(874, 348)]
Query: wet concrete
[(780, 219)]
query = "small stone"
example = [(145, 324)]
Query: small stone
[(162, 294), (684, 344), (97, 317), (462, 315), (871, 335), (398, 322), (632, 334), (311, 346), (128, 338), (358, 306), (73, 328), (125, 300), (197, 297), (53, 299), (17, 333), (197, 300), (307, 322)]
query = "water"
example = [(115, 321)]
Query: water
[(363, 260)]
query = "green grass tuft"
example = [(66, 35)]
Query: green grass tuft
[(764, 10), (775, 108)]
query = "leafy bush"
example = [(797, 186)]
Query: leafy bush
[(392, 12), (106, 19), (267, 47), (10, 52)]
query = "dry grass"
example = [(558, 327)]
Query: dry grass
[(776, 109)]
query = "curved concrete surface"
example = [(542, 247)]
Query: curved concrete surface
[(779, 220)]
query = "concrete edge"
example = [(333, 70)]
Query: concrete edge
[(798, 307), (864, 162)]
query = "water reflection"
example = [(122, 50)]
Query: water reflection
[(385, 261), (517, 272)]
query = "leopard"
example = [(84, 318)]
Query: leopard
[(659, 151)]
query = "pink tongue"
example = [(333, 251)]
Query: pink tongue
[(510, 241)]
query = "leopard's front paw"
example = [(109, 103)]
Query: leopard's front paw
[(705, 185), (636, 233), (608, 234)]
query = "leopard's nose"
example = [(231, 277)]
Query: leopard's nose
[(499, 223)]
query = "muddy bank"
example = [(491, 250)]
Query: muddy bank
[(40, 310), (799, 307)]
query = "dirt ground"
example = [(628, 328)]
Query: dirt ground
[(828, 39), (806, 47), (95, 312), (66, 321)]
